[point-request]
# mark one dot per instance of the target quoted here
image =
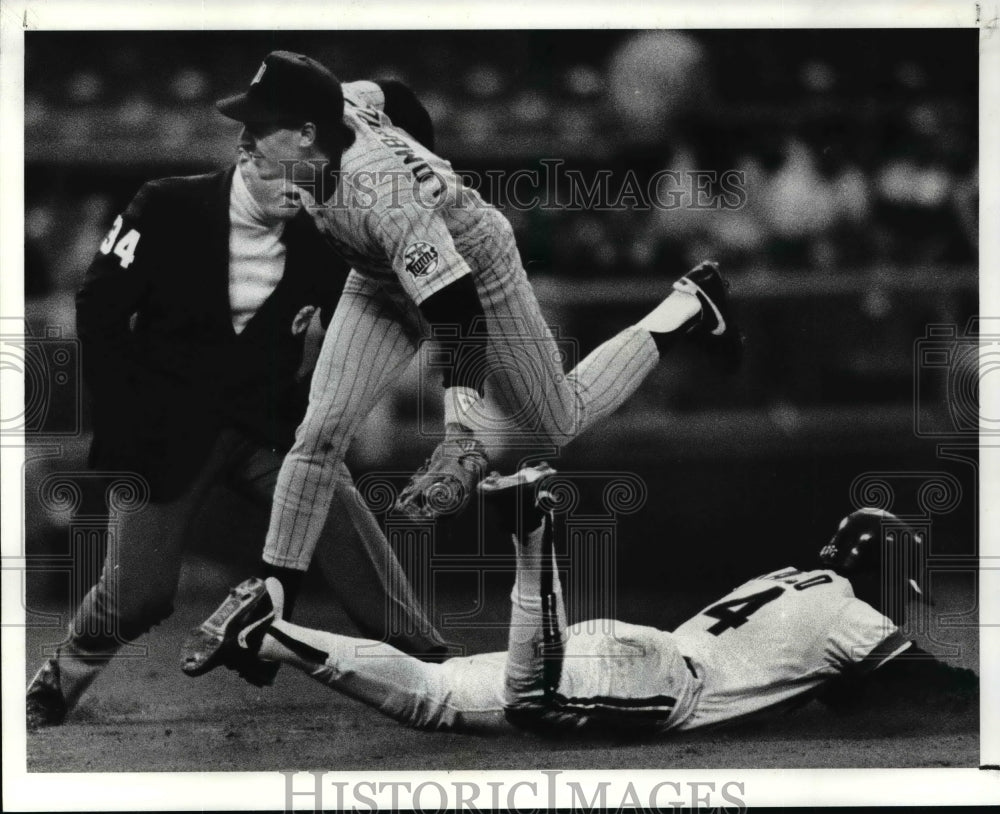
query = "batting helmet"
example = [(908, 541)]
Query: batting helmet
[(883, 557)]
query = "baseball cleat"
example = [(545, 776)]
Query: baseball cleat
[(717, 330), (226, 637), (44, 701), (520, 500), (528, 475)]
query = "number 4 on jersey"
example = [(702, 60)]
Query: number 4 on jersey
[(124, 248), (735, 612)]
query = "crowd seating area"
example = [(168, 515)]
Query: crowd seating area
[(854, 149), (856, 152)]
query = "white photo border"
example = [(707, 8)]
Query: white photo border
[(253, 791)]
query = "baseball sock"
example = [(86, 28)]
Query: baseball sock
[(537, 621), (529, 561), (671, 319), (291, 582), (537, 571), (303, 647)]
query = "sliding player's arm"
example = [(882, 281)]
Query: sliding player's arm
[(913, 678), (893, 671)]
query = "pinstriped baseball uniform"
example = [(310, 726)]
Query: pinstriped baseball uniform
[(408, 226)]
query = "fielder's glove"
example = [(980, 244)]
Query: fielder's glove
[(445, 482)]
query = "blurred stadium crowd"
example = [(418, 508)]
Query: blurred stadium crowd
[(859, 158), (857, 152)]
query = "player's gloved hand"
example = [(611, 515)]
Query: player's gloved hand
[(445, 482)]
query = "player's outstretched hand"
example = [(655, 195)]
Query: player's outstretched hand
[(445, 482)]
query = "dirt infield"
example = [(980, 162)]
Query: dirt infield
[(143, 715)]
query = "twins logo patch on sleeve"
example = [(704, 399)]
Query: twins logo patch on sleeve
[(421, 259)]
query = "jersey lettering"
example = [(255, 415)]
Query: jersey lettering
[(125, 248), (788, 576), (390, 141), (367, 114), (111, 236), (734, 613), (422, 171), (819, 579)]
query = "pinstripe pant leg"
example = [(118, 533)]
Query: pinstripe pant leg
[(354, 556), (612, 372), (361, 567), (367, 346), (527, 381)]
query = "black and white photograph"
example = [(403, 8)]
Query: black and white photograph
[(462, 408)]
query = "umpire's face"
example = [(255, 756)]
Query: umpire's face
[(265, 154)]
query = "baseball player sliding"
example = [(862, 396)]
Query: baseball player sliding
[(777, 640), (429, 257)]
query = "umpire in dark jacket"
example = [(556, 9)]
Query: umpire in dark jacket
[(166, 381), (192, 320)]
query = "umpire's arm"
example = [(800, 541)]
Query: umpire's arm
[(113, 290)]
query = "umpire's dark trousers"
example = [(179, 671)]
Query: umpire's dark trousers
[(142, 565)]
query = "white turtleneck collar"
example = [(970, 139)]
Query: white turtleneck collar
[(256, 253), (242, 203)]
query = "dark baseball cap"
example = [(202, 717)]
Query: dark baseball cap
[(289, 87)]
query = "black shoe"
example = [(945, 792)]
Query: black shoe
[(226, 637), (519, 501), (45, 704), (717, 330)]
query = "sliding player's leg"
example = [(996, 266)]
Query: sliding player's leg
[(599, 675), (458, 694), (536, 639)]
